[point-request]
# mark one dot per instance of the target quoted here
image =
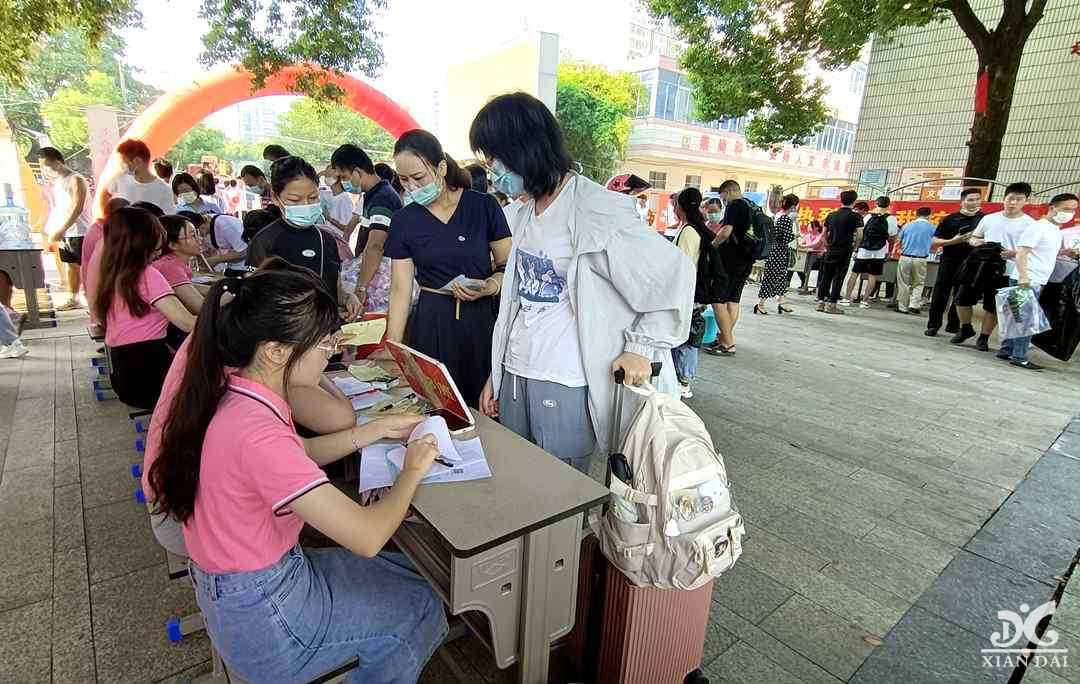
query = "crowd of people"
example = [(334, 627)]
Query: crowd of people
[(521, 276)]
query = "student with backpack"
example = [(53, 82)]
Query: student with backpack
[(843, 230), (739, 247), (879, 228)]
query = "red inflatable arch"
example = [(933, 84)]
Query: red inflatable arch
[(174, 114)]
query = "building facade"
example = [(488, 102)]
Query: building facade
[(920, 99), (672, 150)]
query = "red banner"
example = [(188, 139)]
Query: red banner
[(904, 210)]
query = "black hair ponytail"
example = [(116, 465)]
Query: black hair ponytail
[(273, 306), (690, 202)]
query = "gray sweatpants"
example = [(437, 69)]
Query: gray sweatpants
[(554, 417)]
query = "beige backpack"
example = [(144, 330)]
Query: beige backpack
[(687, 529)]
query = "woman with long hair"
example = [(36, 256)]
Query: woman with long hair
[(137, 306), (774, 282), (693, 232), (182, 243), (448, 230), (234, 472)]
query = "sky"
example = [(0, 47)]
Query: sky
[(419, 39)]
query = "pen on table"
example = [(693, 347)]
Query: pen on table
[(406, 399)]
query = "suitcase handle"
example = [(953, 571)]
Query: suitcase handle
[(620, 374)]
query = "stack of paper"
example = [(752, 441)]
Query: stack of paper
[(368, 399), (351, 387), (363, 333)]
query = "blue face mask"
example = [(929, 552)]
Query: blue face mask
[(303, 215), (716, 217), (425, 195), (348, 187), (257, 190), (506, 181)]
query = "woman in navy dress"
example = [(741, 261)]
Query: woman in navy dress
[(445, 230)]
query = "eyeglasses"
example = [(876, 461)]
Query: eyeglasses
[(329, 348)]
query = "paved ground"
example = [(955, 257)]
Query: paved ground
[(863, 454)]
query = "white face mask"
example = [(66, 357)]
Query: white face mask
[(1063, 217), (189, 197)]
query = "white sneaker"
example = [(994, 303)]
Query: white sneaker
[(844, 302), (13, 350), (70, 305), (864, 305), (686, 392)]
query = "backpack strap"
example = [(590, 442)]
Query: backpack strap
[(619, 488)]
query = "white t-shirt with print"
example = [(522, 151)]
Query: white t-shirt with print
[(155, 191), (999, 228), (1044, 239), (544, 343)]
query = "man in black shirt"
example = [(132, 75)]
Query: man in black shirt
[(843, 232), (952, 237), (736, 254)]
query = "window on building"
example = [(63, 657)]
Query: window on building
[(857, 80), (751, 186), (693, 182), (658, 179), (837, 137), (715, 188)]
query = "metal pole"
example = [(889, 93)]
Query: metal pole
[(1057, 187), (947, 178)]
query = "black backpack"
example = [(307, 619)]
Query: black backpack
[(712, 277), (760, 243), (876, 232)]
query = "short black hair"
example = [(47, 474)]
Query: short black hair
[(349, 157), (970, 191), (184, 178), (1063, 197), (924, 211), (1020, 188), (730, 184), (253, 171), (521, 132), (255, 220), (273, 153), (207, 183), (51, 153), (862, 206), (163, 168), (789, 202), (479, 177), (150, 207), (712, 201), (195, 217), (384, 171), (848, 197), (288, 169), (883, 202)]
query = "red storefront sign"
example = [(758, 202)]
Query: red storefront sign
[(904, 210)]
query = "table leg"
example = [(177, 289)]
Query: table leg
[(33, 314), (535, 639)]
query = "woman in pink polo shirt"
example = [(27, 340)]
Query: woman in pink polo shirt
[(137, 305), (181, 244), (234, 471)]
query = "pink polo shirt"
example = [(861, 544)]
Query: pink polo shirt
[(253, 466), (175, 269), (90, 244), (161, 411), (90, 278), (121, 327)]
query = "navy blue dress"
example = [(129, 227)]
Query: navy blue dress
[(441, 252)]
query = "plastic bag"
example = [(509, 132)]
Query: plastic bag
[(1019, 313), (15, 229)]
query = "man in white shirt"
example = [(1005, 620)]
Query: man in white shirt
[(1003, 228), (1036, 255), (138, 183), (69, 218)]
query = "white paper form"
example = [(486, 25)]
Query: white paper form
[(380, 464), (351, 387)]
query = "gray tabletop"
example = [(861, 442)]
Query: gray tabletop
[(529, 489)]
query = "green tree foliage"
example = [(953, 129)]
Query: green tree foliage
[(27, 23), (268, 35), (312, 129), (66, 74), (200, 140), (749, 56), (594, 107)]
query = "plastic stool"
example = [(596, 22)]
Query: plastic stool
[(178, 628), (140, 445), (140, 496), (136, 471), (141, 426)]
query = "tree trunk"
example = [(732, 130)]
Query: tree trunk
[(990, 123)]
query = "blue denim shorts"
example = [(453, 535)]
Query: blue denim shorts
[(317, 609)]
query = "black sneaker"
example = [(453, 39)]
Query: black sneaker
[(952, 329), (931, 332), (982, 344), (965, 334), (1026, 364), (1004, 356)]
